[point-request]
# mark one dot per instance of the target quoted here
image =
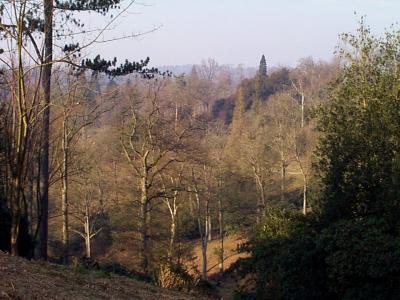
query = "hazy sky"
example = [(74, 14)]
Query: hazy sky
[(240, 31)]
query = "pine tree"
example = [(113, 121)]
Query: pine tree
[(259, 85), (262, 71)]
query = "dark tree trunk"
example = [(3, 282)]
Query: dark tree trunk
[(44, 168)]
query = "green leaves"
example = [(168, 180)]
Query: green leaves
[(360, 129), (350, 247)]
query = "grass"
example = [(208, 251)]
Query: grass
[(23, 279)]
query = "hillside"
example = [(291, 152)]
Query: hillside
[(23, 279)]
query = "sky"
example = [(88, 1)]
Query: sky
[(239, 31)]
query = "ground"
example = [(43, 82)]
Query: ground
[(226, 285), (122, 252), (23, 279), (231, 243)]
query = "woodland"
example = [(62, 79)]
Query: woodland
[(123, 168)]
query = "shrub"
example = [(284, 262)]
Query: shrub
[(174, 276)]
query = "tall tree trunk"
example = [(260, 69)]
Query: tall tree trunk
[(304, 173), (173, 209), (87, 231), (21, 142), (145, 219), (261, 200), (46, 85), (64, 196), (209, 225), (204, 258), (172, 238), (30, 202), (305, 197), (302, 110), (203, 237), (283, 180), (15, 216), (221, 232)]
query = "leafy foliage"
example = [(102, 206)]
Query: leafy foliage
[(349, 247), (360, 132)]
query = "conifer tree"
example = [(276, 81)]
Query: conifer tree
[(259, 85), (262, 71)]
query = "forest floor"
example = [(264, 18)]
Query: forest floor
[(226, 285), (122, 252), (23, 279), (231, 243)]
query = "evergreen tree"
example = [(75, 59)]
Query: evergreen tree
[(359, 146), (259, 87), (262, 70)]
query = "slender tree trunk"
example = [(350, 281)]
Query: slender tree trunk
[(64, 196), (116, 188), (87, 233), (204, 258), (303, 172), (46, 84), (261, 201), (221, 233), (203, 237), (209, 225), (302, 110), (172, 238), (88, 245), (173, 209), (145, 218), (21, 141), (283, 180), (30, 200), (305, 197), (15, 220), (15, 216), (258, 212)]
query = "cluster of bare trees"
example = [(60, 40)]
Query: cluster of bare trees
[(183, 156), (31, 33)]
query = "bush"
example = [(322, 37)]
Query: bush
[(285, 258), (362, 259), (294, 257), (174, 276)]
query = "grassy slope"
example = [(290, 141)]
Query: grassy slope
[(23, 279), (230, 244)]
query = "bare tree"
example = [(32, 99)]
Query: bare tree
[(88, 213), (77, 113), (202, 225), (150, 144), (283, 118)]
